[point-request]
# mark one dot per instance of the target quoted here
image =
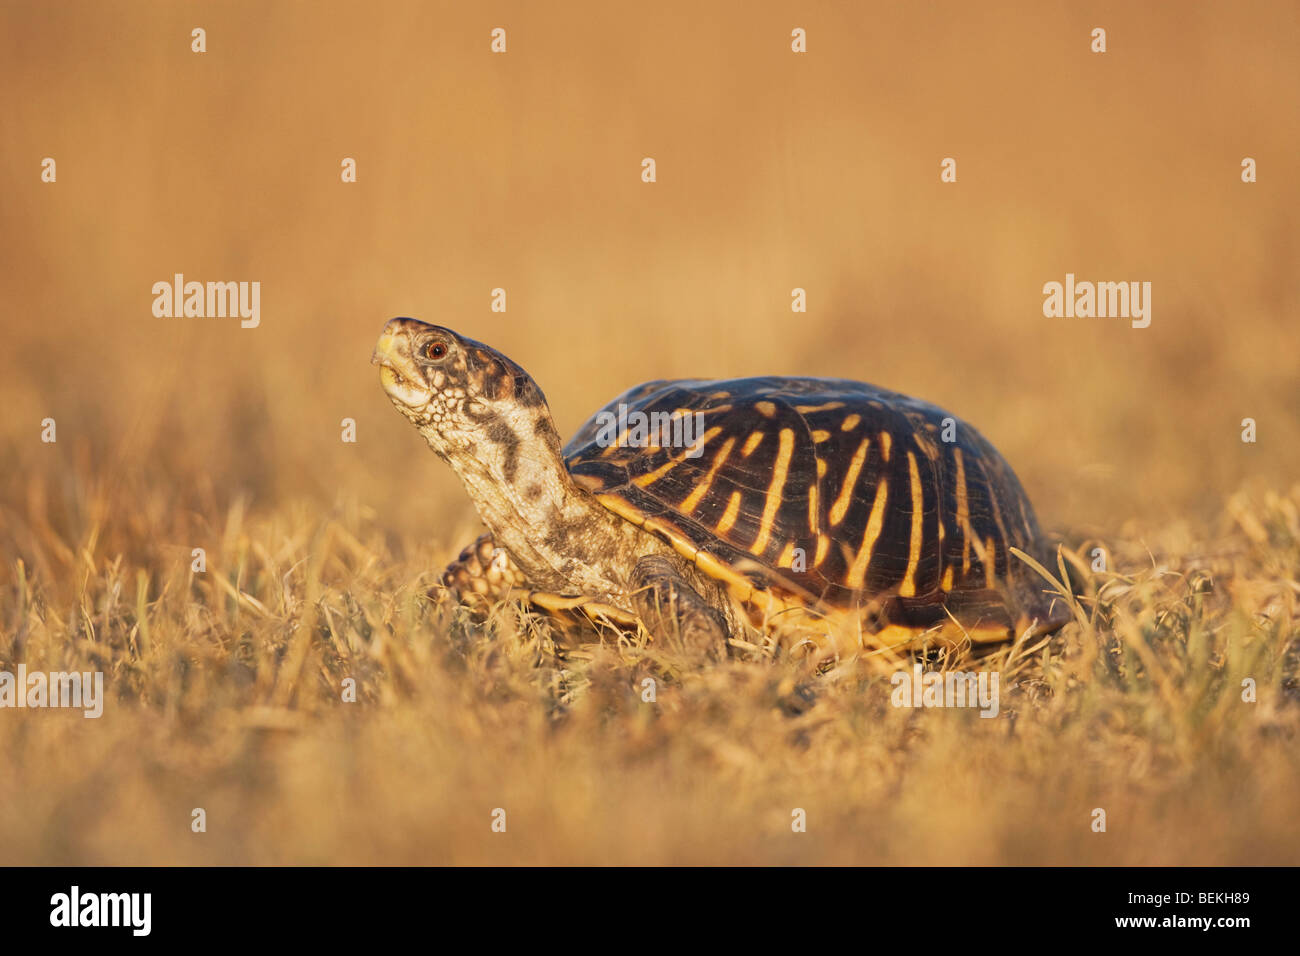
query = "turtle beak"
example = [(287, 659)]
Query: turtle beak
[(392, 347), (398, 372)]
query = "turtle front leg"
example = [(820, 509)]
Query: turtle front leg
[(482, 575), (674, 612)]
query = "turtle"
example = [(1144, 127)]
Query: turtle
[(707, 511)]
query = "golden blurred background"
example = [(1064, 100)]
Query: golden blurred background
[(522, 171), (775, 170)]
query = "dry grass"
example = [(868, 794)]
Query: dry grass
[(225, 694), (522, 172)]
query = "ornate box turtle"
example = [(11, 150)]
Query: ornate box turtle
[(857, 517)]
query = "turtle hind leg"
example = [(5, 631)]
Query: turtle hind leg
[(674, 612), (481, 576)]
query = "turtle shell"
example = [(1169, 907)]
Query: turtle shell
[(825, 494)]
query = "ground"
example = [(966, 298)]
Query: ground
[(226, 693)]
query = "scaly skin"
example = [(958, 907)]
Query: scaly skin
[(484, 416), (482, 575)]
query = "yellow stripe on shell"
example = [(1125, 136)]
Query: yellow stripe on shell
[(963, 512), (773, 501), (729, 516), (786, 560), (841, 505), (814, 519), (858, 571), (702, 488), (671, 463), (908, 587)]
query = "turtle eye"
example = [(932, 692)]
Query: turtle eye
[(436, 350)]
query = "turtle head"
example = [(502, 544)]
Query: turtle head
[(461, 395), (486, 417)]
